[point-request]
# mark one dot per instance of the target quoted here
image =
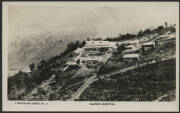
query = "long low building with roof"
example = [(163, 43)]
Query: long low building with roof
[(99, 46)]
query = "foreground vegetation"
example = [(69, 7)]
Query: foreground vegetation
[(23, 83), (142, 84)]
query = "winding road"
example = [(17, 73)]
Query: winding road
[(86, 84)]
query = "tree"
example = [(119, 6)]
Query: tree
[(82, 44), (147, 31), (78, 61), (166, 24), (41, 65), (140, 33), (160, 28), (108, 39), (172, 29), (31, 66), (121, 48), (120, 34), (88, 39), (77, 44), (98, 76)]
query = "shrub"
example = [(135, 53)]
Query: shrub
[(172, 29)]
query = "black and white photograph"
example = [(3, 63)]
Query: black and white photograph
[(95, 52)]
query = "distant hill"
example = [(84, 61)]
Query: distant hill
[(26, 50)]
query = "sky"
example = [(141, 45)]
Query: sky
[(100, 19)]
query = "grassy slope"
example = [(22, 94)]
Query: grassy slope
[(143, 84)]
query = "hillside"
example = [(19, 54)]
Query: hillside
[(45, 82), (143, 84), (23, 51)]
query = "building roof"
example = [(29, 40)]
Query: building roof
[(130, 46), (71, 63), (78, 50), (130, 55), (98, 58), (129, 41), (100, 43), (148, 43)]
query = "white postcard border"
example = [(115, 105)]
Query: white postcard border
[(79, 105)]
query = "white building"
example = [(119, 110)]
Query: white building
[(78, 50), (151, 43), (99, 46), (148, 45), (100, 43), (143, 39), (76, 56), (91, 60), (130, 42), (131, 56), (130, 49)]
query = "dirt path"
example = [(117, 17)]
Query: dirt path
[(86, 84), (169, 94)]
